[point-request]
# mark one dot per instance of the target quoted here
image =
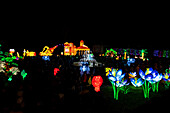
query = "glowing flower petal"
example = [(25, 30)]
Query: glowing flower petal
[(148, 71), (114, 72), (132, 75), (119, 78), (158, 78), (165, 77), (155, 73), (112, 78), (119, 72), (121, 83), (136, 82), (142, 74), (149, 77)]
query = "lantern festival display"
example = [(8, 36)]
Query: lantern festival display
[(130, 60), (118, 82), (8, 65), (56, 71), (69, 49), (150, 76), (29, 53), (47, 51), (82, 48), (23, 74), (111, 53), (46, 58), (84, 68), (11, 51), (97, 81)]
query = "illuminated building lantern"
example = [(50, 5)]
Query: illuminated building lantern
[(97, 82), (82, 48), (31, 53), (69, 49)]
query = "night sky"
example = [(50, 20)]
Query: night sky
[(35, 29)]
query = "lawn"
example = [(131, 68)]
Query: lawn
[(131, 101)]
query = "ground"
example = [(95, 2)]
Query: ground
[(133, 101)]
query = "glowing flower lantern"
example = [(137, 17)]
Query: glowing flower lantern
[(137, 82), (150, 76), (132, 74), (117, 81), (166, 79), (56, 71), (107, 70), (97, 82)]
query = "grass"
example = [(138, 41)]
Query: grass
[(131, 101)]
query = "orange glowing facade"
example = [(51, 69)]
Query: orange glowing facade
[(69, 49), (83, 48), (30, 53)]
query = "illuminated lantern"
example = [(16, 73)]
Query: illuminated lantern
[(11, 51), (107, 70), (125, 56), (14, 70), (137, 82), (56, 71), (69, 49), (132, 74), (24, 52), (23, 74), (112, 52), (31, 53), (82, 49), (61, 53), (150, 76), (46, 58), (47, 51), (97, 82), (130, 60)]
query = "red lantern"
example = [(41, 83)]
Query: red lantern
[(97, 82), (56, 71)]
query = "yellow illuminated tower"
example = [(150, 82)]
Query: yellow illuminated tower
[(81, 43)]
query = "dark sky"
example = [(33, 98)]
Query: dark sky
[(35, 29)]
